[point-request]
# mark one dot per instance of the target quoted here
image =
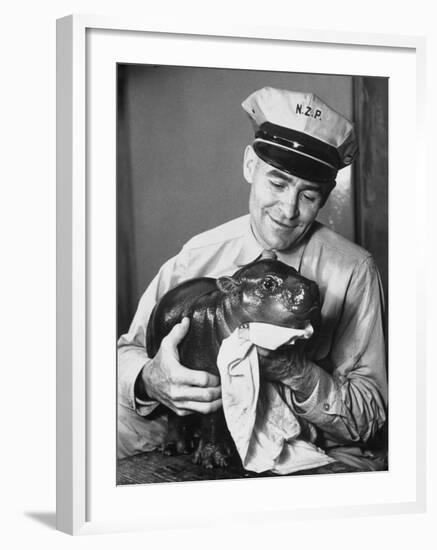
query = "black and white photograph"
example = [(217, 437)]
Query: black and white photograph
[(252, 274), (218, 275)]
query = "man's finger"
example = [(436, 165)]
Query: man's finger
[(200, 407), (177, 334), (180, 412), (195, 393), (202, 379), (198, 378)]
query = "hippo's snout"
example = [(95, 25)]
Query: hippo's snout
[(272, 292), (302, 297)]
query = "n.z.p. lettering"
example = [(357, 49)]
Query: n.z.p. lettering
[(306, 110)]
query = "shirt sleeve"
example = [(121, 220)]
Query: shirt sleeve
[(348, 401), (131, 349)]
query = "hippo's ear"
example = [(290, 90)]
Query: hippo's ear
[(227, 284)]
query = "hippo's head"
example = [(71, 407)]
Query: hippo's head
[(269, 291)]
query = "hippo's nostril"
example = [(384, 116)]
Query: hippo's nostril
[(298, 295)]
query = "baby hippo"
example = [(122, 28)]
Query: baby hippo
[(265, 291)]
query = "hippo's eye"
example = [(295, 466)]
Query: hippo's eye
[(269, 283)]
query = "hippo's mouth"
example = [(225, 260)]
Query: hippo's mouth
[(298, 319)]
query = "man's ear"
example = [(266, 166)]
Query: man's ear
[(249, 163)]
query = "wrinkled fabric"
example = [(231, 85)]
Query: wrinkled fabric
[(264, 428), (138, 434), (271, 336), (343, 388)]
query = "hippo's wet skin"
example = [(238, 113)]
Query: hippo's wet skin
[(266, 291)]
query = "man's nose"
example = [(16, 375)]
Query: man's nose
[(290, 205)]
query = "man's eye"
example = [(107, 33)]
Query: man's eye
[(310, 198), (277, 184)]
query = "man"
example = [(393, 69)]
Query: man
[(339, 390)]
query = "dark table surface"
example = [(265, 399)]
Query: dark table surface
[(154, 467)]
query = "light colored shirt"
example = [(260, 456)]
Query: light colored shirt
[(345, 384)]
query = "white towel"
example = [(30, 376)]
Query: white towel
[(264, 428)]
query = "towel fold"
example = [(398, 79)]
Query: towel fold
[(264, 428)]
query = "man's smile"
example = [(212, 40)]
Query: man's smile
[(281, 224)]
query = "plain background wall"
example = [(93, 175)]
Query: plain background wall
[(181, 139), (27, 228)]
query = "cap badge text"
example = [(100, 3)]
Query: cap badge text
[(306, 110)]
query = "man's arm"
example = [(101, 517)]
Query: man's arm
[(348, 401), (144, 382)]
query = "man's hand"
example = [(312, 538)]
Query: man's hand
[(291, 368), (182, 390), (281, 365)]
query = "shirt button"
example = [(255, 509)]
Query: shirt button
[(326, 406)]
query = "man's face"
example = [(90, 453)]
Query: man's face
[(282, 207)]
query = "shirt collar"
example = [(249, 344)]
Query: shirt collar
[(251, 250)]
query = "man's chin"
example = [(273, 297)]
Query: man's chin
[(283, 244), (275, 237), (286, 240)]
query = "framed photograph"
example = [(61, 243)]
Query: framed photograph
[(162, 136)]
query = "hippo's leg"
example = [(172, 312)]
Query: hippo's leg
[(180, 435), (216, 447)]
